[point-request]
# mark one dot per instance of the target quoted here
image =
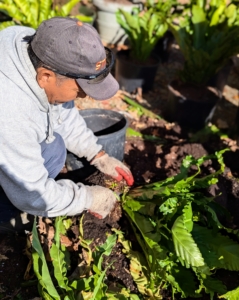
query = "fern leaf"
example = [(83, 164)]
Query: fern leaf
[(66, 9), (32, 18), (44, 10), (6, 24), (13, 11), (23, 6)]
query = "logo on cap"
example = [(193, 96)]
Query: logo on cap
[(100, 64)]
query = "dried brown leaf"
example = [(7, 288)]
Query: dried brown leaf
[(3, 257)]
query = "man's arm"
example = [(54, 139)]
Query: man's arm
[(82, 142), (78, 139), (25, 179)]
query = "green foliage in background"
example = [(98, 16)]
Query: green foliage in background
[(144, 28), (208, 35), (183, 241), (32, 13)]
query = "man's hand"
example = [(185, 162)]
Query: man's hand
[(113, 167), (103, 201)]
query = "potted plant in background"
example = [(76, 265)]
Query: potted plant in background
[(136, 67), (32, 13), (207, 33), (167, 9), (106, 23)]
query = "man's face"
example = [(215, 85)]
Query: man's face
[(58, 91)]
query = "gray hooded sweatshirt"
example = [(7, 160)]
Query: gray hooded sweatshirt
[(27, 119)]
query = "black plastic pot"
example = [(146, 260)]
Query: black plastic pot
[(131, 75), (190, 106), (110, 128)]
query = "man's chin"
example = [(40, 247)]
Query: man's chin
[(58, 102)]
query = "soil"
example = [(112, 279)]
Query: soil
[(149, 161)]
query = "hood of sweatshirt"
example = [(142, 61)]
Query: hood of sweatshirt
[(17, 67), (16, 58)]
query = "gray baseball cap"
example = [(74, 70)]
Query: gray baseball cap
[(74, 49)]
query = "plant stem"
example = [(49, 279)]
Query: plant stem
[(144, 110)]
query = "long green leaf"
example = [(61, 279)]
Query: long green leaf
[(200, 25), (44, 10), (185, 245), (104, 249), (144, 28), (144, 110), (98, 285), (217, 14), (58, 256), (60, 270), (42, 272)]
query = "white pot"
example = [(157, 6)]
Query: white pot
[(106, 23)]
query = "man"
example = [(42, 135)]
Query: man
[(41, 73)]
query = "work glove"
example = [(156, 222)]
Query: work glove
[(112, 167), (103, 201)]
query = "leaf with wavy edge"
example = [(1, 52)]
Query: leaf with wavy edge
[(179, 284), (185, 246), (210, 285), (218, 250), (232, 295)]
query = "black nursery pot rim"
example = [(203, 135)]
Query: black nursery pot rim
[(112, 115), (189, 105), (179, 89), (122, 54)]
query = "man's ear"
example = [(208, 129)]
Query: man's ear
[(45, 77)]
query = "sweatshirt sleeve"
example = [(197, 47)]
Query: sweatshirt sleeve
[(25, 179), (78, 139)]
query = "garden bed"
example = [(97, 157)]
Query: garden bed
[(149, 161)]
